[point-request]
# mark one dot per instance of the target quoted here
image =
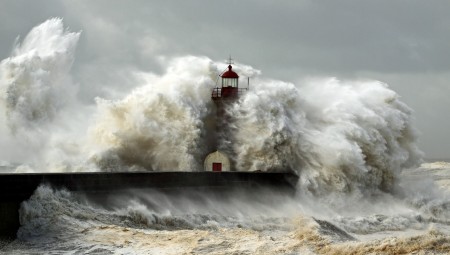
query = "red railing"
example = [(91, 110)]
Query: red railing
[(227, 92)]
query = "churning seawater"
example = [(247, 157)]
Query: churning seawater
[(361, 190)]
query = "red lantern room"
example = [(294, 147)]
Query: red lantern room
[(230, 85), (230, 81)]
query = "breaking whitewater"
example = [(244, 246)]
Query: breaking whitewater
[(363, 187)]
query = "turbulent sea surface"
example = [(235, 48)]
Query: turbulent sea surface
[(363, 187), (148, 222)]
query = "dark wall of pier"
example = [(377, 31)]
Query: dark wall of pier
[(15, 188)]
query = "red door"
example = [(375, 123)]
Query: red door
[(217, 167)]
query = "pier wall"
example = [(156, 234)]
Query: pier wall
[(15, 188)]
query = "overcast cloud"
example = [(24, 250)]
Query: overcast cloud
[(403, 43)]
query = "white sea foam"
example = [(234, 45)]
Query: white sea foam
[(261, 223)]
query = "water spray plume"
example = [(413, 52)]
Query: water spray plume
[(338, 136), (35, 81)]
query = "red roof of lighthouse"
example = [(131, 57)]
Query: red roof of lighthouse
[(230, 73)]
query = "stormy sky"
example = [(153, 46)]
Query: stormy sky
[(404, 43)]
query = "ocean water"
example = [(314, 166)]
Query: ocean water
[(149, 222), (363, 187)]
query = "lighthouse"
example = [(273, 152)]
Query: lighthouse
[(223, 95), (229, 89)]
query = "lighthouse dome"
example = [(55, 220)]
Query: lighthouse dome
[(230, 73)]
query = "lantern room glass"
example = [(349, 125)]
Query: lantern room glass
[(230, 82)]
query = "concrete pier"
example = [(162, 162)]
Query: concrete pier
[(15, 188)]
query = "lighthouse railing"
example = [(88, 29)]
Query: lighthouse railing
[(217, 92)]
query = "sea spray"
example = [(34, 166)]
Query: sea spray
[(160, 125), (35, 81), (37, 98), (339, 136), (168, 123)]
